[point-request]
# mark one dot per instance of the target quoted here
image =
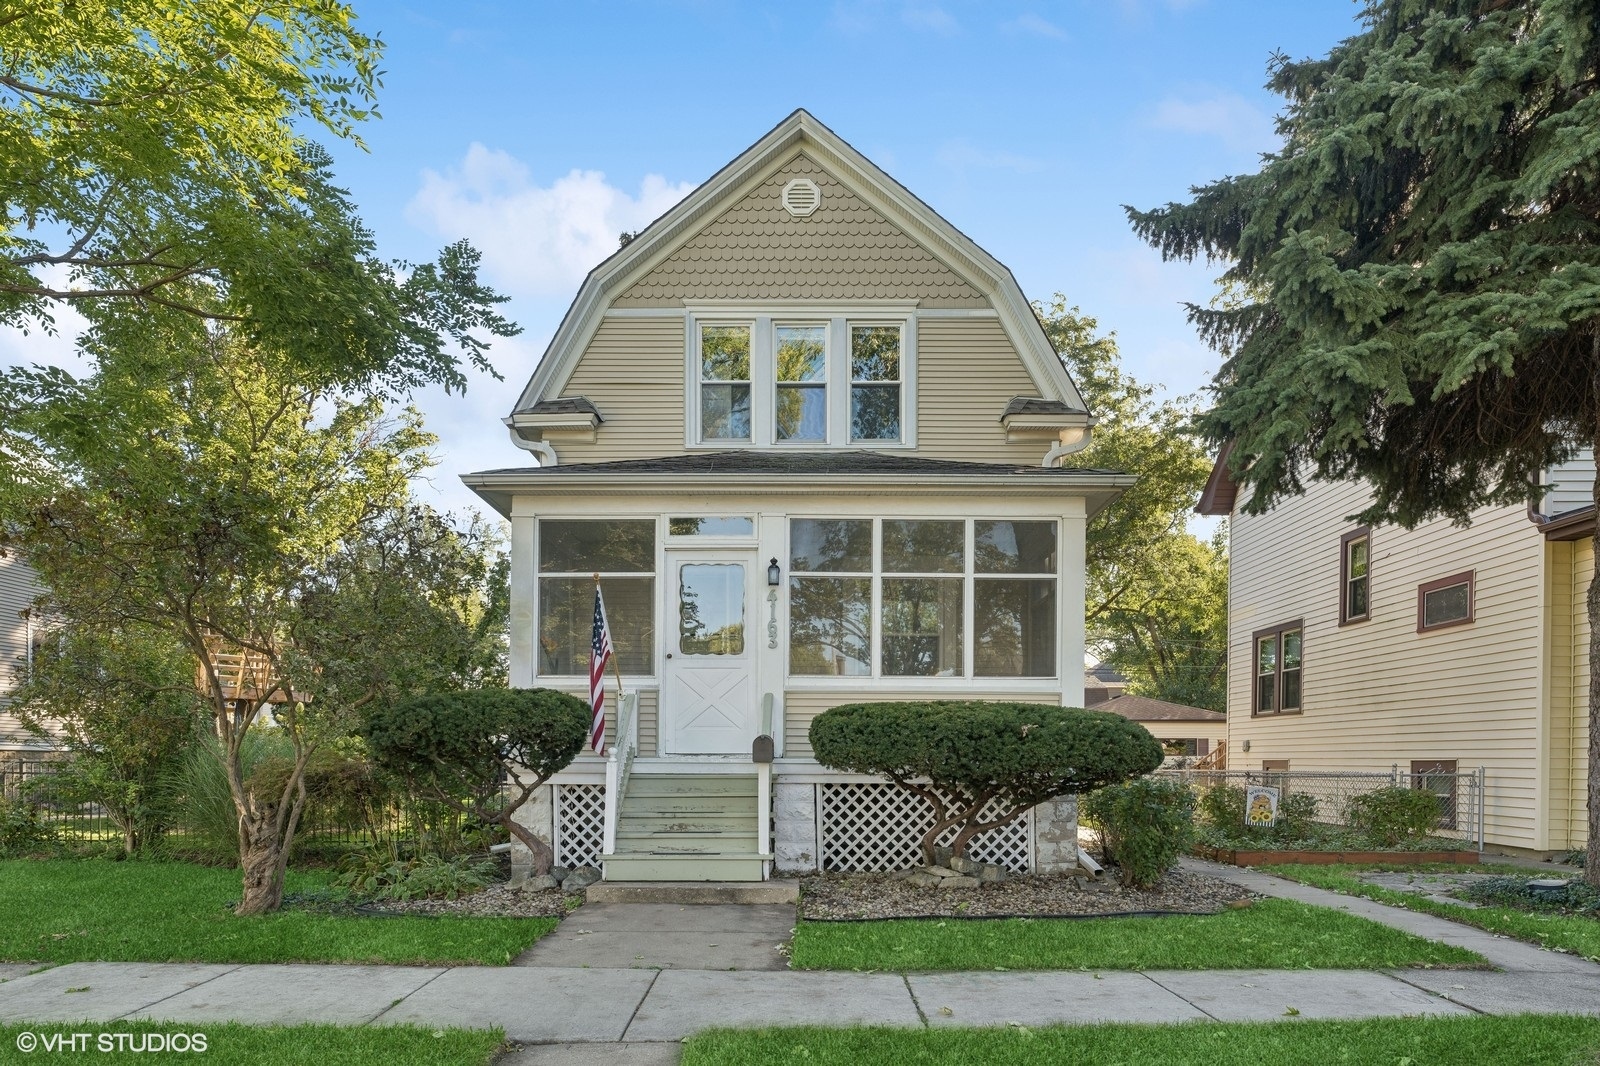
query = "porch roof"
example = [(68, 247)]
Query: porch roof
[(785, 471)]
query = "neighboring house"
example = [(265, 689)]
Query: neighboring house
[(19, 630), (1184, 732), (810, 437), (1101, 683), (1439, 648)]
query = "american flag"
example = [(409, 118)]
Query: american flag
[(600, 652)]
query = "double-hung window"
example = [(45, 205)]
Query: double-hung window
[(1278, 658), (802, 381), (1355, 574)]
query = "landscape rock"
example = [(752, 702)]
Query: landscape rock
[(560, 872), (941, 856), (541, 884), (959, 881), (581, 878), (963, 865), (940, 871), (990, 874), (921, 879)]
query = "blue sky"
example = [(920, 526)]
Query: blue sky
[(539, 131)]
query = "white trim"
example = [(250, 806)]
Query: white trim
[(796, 132)]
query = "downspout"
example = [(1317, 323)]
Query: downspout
[(545, 453), (1071, 442)]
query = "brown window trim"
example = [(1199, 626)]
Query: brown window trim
[(1344, 575), (1277, 676), (1466, 577)]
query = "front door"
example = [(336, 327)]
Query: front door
[(708, 699)]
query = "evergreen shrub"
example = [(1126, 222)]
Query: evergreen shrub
[(1143, 824)]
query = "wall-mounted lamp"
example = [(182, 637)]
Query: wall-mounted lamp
[(1247, 745), (774, 575)]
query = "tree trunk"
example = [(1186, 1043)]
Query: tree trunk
[(543, 857), (263, 863), (1591, 866)]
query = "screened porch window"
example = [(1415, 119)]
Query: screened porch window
[(571, 552)]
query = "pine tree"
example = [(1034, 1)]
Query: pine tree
[(1420, 270)]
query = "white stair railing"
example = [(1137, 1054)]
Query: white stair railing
[(763, 761), (619, 764)]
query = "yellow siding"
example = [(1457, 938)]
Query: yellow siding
[(967, 371), (844, 250), (18, 587), (649, 716), (799, 708), (1569, 715), (1377, 693), (633, 371)]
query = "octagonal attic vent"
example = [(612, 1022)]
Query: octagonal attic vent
[(801, 197)]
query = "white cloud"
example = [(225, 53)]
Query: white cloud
[(536, 240), (929, 17), (1226, 116), (1038, 27)]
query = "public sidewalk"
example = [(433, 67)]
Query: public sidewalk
[(551, 1001)]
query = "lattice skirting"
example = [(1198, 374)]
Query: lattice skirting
[(880, 827), (580, 824)]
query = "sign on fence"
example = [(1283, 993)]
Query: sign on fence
[(1261, 806)]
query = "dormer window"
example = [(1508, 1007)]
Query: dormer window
[(802, 381)]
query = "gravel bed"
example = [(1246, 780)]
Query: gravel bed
[(496, 901), (856, 896)]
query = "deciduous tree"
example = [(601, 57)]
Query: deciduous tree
[(1421, 261)]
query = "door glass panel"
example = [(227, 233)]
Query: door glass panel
[(711, 609)]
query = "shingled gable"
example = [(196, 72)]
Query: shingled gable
[(799, 132)]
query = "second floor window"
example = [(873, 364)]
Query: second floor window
[(823, 382), (1356, 577)]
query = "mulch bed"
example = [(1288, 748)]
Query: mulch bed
[(862, 896), (496, 901)]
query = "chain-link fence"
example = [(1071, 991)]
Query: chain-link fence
[(1460, 793)]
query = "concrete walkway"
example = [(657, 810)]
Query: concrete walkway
[(560, 999)]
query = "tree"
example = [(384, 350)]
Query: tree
[(1132, 546), (154, 154), (971, 753), (1421, 261), (122, 703), (461, 747), (220, 494), (1168, 634)]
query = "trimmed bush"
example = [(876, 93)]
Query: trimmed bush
[(1144, 825), (1394, 813), (24, 831), (465, 744), (959, 755)]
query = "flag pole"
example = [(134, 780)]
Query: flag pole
[(616, 668)]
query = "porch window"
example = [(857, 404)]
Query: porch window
[(830, 596), (923, 598), (923, 616), (571, 552), (1014, 599)]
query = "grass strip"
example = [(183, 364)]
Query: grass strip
[(1573, 933), (1275, 934), (232, 1044), (1525, 1040), (82, 910)]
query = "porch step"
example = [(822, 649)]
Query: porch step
[(706, 823), (626, 866), (694, 892), (691, 785), (686, 843), (686, 806)]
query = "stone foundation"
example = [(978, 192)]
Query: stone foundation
[(1055, 835), (794, 818), (538, 815)]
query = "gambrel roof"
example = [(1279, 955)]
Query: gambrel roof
[(954, 265)]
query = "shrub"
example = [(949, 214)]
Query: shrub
[(204, 811), (1222, 806), (1392, 814), (1297, 815), (466, 744), (379, 874), (23, 830), (1144, 825), (971, 752)]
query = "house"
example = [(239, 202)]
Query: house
[(19, 630), (1102, 683), (1184, 732), (809, 437), (1440, 648)]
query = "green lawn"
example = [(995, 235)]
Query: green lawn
[(1275, 934), (77, 910), (1527, 1040), (1572, 933), (231, 1044)]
